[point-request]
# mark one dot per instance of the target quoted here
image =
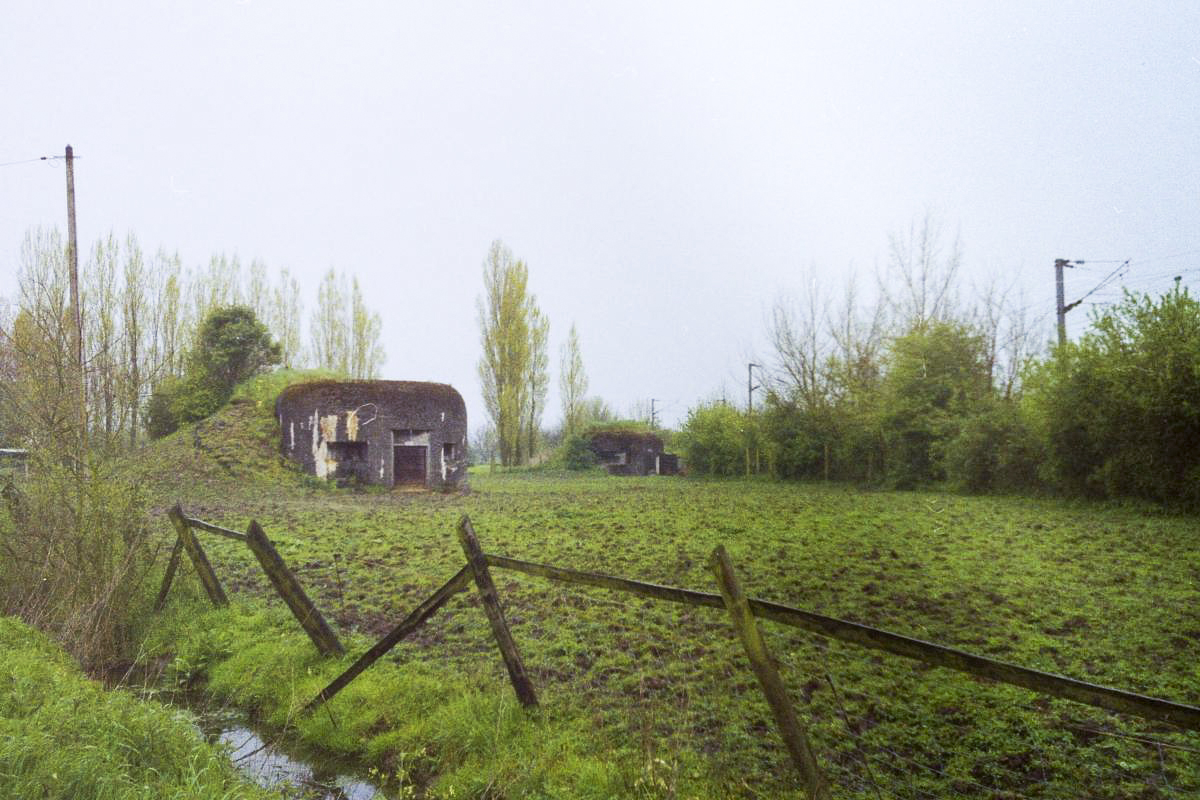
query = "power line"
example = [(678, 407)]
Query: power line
[(34, 160), (1115, 273), (1167, 258), (1085, 264)]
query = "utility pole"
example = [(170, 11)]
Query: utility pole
[(750, 387), (653, 417), (76, 310), (1063, 306)]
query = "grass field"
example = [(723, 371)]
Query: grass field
[(647, 699)]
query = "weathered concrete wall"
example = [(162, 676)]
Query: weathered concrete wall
[(348, 430)]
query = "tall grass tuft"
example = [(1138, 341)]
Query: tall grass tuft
[(67, 737)]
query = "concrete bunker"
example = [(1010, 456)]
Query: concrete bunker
[(629, 452), (390, 433)]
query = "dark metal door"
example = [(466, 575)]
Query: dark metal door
[(409, 465)]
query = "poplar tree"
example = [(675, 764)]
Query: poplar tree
[(285, 319), (328, 327), (167, 317), (258, 294), (506, 319), (133, 311), (366, 352), (539, 376), (572, 383), (100, 331)]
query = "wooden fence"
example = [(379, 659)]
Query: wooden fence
[(744, 614)]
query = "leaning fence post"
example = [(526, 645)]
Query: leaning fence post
[(199, 559), (292, 592), (491, 604), (169, 575), (768, 677)]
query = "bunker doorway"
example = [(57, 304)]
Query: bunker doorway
[(409, 466)]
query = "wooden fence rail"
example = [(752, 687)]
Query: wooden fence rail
[(743, 611), (1110, 699)]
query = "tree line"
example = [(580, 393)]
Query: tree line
[(924, 385), (142, 317)]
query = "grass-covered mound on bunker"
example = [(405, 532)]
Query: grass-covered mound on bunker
[(237, 449), (64, 736)]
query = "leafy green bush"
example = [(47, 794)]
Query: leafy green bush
[(937, 375), (1118, 412), (795, 441), (232, 346), (577, 454), (994, 451), (714, 440), (180, 401)]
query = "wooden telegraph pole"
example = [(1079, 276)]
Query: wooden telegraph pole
[(76, 310)]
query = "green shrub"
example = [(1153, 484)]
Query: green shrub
[(577, 454), (936, 376), (994, 450), (78, 549), (714, 440), (181, 401), (1117, 411), (231, 347)]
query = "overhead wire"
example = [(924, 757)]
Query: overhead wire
[(1168, 257), (33, 160), (1115, 273)]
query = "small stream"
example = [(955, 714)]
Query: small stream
[(274, 764), (266, 758)]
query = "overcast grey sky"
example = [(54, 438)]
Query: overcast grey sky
[(666, 170)]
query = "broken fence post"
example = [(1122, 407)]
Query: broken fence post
[(169, 575), (477, 561), (199, 560), (292, 592), (768, 677)]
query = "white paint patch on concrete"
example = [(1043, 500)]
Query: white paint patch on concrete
[(329, 427), (320, 452), (328, 434), (352, 425)]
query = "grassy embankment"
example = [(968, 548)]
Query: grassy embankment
[(64, 736), (643, 699)]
